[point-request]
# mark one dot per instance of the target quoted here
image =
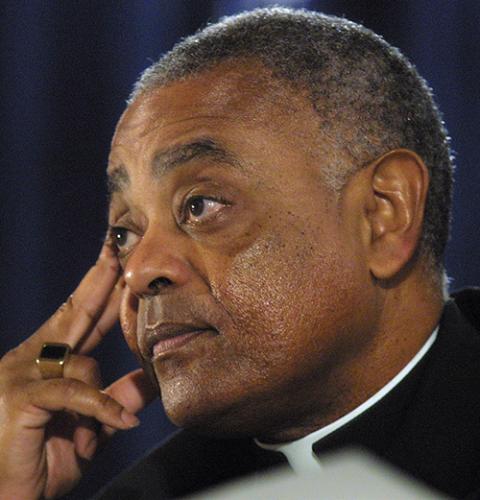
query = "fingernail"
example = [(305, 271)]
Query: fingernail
[(129, 419)]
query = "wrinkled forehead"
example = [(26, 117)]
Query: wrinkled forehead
[(232, 91)]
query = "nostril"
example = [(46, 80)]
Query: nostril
[(159, 283)]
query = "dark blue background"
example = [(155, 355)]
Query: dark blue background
[(66, 70)]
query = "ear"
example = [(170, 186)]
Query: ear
[(395, 206)]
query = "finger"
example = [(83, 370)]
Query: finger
[(81, 368), (86, 437), (94, 289), (105, 322), (133, 391), (80, 313), (61, 394), (77, 317)]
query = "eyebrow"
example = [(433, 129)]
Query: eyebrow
[(117, 180), (167, 160)]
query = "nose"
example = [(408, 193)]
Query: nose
[(157, 265)]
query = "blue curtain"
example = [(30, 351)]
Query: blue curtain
[(67, 68)]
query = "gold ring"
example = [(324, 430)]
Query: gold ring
[(52, 359)]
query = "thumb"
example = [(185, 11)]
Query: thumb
[(133, 391)]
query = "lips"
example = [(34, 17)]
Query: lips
[(167, 337)]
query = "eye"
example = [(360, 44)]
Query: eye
[(123, 239), (201, 208)]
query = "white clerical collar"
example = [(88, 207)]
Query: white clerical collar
[(299, 453)]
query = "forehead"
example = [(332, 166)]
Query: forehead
[(234, 94)]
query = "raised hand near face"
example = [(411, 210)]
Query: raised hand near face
[(53, 416)]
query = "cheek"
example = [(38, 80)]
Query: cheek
[(256, 291), (291, 299), (292, 316), (259, 289)]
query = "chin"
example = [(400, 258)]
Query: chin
[(213, 411), (189, 408)]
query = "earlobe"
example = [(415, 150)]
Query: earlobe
[(398, 192)]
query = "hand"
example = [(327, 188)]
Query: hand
[(49, 429)]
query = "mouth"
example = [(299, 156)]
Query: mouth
[(166, 338)]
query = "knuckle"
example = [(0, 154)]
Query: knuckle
[(70, 387), (64, 307), (89, 369), (55, 322), (99, 332), (106, 403), (13, 398), (90, 363), (79, 308), (20, 352)]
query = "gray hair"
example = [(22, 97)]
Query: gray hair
[(369, 97)]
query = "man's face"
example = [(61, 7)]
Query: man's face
[(246, 283)]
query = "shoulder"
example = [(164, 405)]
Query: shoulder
[(468, 301), (439, 439), (459, 332), (453, 364)]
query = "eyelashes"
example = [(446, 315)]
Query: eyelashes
[(123, 240), (198, 211), (201, 209)]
